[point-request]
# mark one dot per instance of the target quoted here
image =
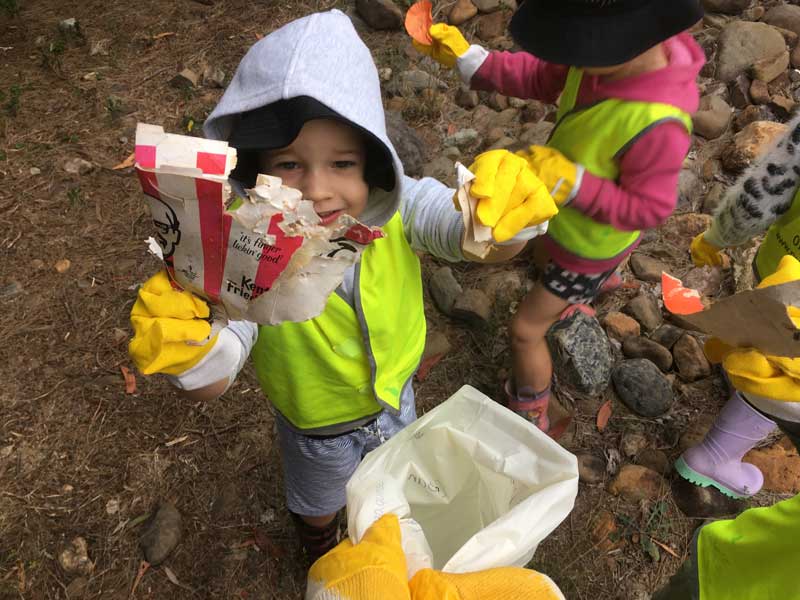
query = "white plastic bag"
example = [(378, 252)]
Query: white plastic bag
[(475, 486)]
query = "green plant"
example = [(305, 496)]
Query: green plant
[(655, 526), (75, 197), (114, 106), (11, 102), (9, 7)]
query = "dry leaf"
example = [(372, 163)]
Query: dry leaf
[(158, 36), (171, 576), (664, 547), (128, 162), (418, 22), (63, 265), (603, 415), (130, 380)]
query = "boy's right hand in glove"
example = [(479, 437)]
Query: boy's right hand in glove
[(705, 253), (170, 327), (510, 195)]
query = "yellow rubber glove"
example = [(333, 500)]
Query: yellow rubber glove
[(504, 583), (561, 176), (510, 196), (776, 377), (704, 253), (163, 320), (373, 568), (448, 45)]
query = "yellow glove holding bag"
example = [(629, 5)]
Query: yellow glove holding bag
[(373, 568), (775, 377), (448, 45), (503, 583), (704, 253), (561, 176), (510, 195), (164, 320)]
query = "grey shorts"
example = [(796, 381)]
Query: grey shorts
[(316, 469)]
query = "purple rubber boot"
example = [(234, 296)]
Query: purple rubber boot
[(717, 460)]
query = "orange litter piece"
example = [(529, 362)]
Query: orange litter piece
[(679, 300), (419, 19)]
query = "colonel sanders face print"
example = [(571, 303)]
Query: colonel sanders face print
[(168, 233)]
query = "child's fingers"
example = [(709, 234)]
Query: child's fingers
[(485, 170), (514, 221), (526, 184)]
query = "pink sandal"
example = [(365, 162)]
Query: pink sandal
[(530, 405)]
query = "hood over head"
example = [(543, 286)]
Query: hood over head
[(317, 57)]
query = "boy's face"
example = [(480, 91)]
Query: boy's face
[(325, 162)]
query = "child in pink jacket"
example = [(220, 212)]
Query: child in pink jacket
[(623, 74)]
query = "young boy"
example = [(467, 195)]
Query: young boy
[(305, 105), (625, 76)]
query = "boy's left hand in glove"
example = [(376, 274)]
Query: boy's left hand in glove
[(561, 176)]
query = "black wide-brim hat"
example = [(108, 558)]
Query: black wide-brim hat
[(599, 33)]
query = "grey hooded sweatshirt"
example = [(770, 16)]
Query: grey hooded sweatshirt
[(321, 56)]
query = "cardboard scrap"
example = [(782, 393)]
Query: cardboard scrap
[(267, 258), (752, 319)]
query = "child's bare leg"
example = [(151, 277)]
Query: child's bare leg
[(532, 365)]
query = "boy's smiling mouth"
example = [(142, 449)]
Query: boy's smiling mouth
[(329, 216)]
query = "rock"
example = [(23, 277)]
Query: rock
[(740, 91), (742, 43), (74, 558), (620, 326), (632, 443), (646, 267), (35, 171), (185, 79), (161, 534), (644, 308), (782, 106), (359, 23), (534, 111), (519, 103), (695, 431), (581, 353), (654, 459), (503, 286), (780, 465), (716, 21), (690, 187), (605, 532), (409, 146), (503, 118), (444, 289), (10, 290), (494, 134), (503, 143), (750, 143), (498, 102), (711, 168), (63, 265), (492, 26), (78, 166), (754, 14), (703, 502), (591, 468), (414, 81), (785, 16), (213, 77), (474, 307), (690, 225), (667, 335), (441, 168), (728, 7), (639, 347), (794, 57), (751, 114), (385, 74), (227, 503), (769, 68), (462, 11), (396, 104), (467, 98), (77, 588), (436, 344), (380, 14), (451, 153), (690, 360), (462, 138), (713, 117), (706, 280), (69, 26), (642, 387), (536, 133), (488, 6), (635, 483), (759, 92)]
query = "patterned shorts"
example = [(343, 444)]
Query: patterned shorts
[(575, 288)]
